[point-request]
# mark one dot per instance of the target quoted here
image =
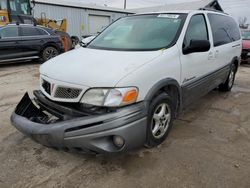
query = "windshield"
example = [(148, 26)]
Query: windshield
[(144, 32), (3, 4), (246, 35), (18, 7)]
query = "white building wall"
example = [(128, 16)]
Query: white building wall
[(77, 18)]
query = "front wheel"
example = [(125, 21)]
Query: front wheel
[(228, 85), (160, 120), (49, 53)]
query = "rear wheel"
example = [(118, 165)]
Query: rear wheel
[(228, 85), (49, 53), (160, 120)]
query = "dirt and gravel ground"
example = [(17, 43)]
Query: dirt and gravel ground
[(209, 146)]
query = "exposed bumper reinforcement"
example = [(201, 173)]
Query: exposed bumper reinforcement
[(89, 134)]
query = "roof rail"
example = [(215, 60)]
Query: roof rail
[(211, 9)]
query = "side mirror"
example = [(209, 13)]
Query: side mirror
[(197, 46), (87, 40)]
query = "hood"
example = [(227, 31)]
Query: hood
[(95, 68), (246, 44)]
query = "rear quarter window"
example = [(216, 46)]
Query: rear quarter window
[(224, 28), (42, 31), (29, 31)]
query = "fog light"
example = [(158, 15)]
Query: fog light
[(118, 141)]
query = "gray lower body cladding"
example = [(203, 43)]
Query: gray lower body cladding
[(89, 134)]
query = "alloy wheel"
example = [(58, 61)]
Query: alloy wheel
[(161, 120)]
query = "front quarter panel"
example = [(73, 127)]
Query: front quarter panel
[(146, 77)]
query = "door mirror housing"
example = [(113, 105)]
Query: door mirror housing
[(87, 40), (197, 46)]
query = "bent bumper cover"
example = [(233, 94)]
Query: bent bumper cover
[(89, 134)]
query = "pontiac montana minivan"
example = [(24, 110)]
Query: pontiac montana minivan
[(124, 89)]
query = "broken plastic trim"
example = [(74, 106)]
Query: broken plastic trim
[(27, 109)]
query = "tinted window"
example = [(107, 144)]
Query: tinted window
[(41, 31), (9, 32), (197, 30), (29, 31), (224, 28), (50, 31)]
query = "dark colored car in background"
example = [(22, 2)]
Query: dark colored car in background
[(245, 56), (27, 42)]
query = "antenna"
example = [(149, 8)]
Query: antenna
[(125, 4)]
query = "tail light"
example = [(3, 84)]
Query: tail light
[(64, 42)]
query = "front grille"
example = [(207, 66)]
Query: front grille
[(67, 93), (46, 87)]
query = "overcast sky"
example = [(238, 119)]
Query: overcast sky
[(237, 8)]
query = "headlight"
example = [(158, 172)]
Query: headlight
[(113, 97)]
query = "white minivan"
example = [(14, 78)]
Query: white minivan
[(124, 89)]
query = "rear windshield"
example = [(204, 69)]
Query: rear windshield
[(144, 32), (245, 35)]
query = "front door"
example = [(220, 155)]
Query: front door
[(9, 43), (196, 66), (32, 41)]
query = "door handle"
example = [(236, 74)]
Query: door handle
[(236, 46), (216, 55), (210, 55)]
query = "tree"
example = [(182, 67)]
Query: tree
[(243, 22)]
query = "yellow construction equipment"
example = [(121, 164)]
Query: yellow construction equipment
[(4, 18)]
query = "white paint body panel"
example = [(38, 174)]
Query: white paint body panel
[(144, 78), (95, 68), (92, 68)]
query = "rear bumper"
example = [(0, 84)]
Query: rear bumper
[(88, 134)]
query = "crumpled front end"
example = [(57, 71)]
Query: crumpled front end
[(70, 126)]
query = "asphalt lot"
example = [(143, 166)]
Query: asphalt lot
[(209, 146)]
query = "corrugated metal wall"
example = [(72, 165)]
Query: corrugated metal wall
[(78, 23)]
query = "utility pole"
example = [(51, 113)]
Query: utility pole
[(125, 4)]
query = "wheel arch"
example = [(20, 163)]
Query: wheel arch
[(169, 86), (48, 44), (236, 62)]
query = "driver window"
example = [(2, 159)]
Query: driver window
[(197, 30), (9, 32)]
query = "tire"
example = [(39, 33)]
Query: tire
[(49, 53), (228, 85), (159, 123), (75, 40)]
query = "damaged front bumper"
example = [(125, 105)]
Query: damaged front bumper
[(72, 130)]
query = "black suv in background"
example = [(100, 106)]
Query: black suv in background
[(26, 42)]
